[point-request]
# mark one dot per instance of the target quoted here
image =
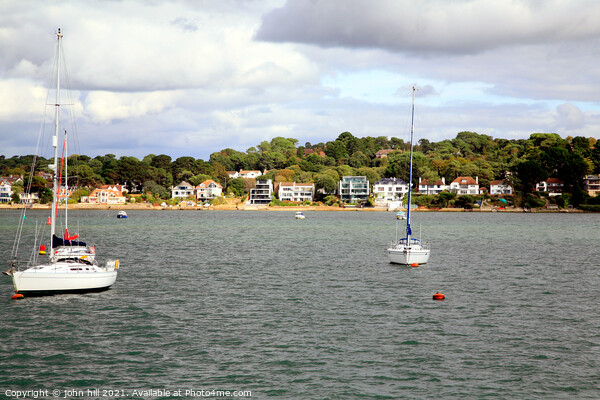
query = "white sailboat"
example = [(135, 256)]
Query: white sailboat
[(70, 266), (409, 250)]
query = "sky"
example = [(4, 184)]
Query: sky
[(191, 77)]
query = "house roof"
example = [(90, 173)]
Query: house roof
[(553, 180), (384, 152), (465, 180), (295, 184), (393, 181), (208, 182)]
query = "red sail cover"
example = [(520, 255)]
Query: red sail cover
[(69, 237)]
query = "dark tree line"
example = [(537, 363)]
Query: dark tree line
[(522, 162)]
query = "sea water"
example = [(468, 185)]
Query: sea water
[(217, 304)]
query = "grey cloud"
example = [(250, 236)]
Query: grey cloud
[(433, 26)]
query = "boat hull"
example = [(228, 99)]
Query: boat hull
[(408, 255), (36, 282)]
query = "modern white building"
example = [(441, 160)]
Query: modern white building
[(5, 192), (208, 190), (390, 189), (437, 187), (353, 189), (465, 185), (183, 191), (500, 187), (297, 192), (261, 193)]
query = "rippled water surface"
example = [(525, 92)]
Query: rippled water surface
[(311, 309)]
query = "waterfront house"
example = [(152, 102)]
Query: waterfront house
[(591, 184), (106, 194), (553, 186), (5, 191), (465, 185), (261, 193), (208, 190), (389, 189), (500, 187), (182, 191), (297, 192), (432, 187), (353, 189)]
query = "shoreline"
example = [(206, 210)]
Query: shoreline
[(234, 207)]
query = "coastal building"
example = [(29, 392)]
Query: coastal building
[(64, 194), (500, 187), (353, 189), (261, 193), (433, 187), (29, 198), (318, 152), (297, 192), (183, 191), (246, 174), (106, 194), (383, 153), (465, 185), (591, 184), (389, 189), (5, 191), (208, 190), (553, 186)]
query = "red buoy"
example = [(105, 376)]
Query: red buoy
[(17, 296), (48, 223), (439, 296), (414, 264)]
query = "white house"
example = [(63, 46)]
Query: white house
[(465, 185), (183, 190), (261, 193), (247, 174), (390, 189), (500, 187), (427, 187), (298, 192), (208, 189), (553, 186), (5, 192)]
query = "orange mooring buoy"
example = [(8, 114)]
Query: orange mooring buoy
[(439, 296), (17, 296), (48, 223), (414, 264)]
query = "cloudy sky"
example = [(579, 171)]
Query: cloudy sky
[(187, 78)]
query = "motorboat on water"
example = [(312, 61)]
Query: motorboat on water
[(300, 215), (121, 214)]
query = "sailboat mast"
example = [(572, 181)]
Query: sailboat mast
[(412, 131), (55, 140)]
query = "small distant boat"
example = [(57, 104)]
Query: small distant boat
[(300, 215), (400, 215), (121, 214)]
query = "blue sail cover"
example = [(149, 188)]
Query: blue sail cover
[(57, 242)]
